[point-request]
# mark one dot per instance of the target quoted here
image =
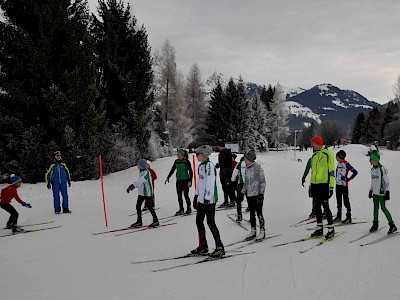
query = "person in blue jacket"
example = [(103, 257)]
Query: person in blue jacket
[(57, 178)]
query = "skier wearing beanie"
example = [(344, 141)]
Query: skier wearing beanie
[(322, 184), (184, 175), (145, 194), (7, 194), (254, 188), (380, 192), (205, 199), (57, 177), (343, 168)]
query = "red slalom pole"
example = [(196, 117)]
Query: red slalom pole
[(194, 171), (102, 190)]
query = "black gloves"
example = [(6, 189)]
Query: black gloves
[(49, 186), (387, 195), (130, 188), (370, 194), (166, 181), (330, 192), (69, 183), (217, 165), (27, 205), (195, 201), (303, 180), (189, 184), (260, 198)]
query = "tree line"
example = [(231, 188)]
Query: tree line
[(89, 84)]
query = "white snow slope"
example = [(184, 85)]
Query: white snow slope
[(71, 263)]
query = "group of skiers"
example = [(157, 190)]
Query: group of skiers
[(238, 179), (57, 177), (322, 183)]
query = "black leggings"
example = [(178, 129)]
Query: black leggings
[(208, 210), (182, 187), (343, 191), (239, 198), (256, 207), (225, 178), (149, 204), (320, 193), (12, 221)]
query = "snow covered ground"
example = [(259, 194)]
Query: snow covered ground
[(71, 263)]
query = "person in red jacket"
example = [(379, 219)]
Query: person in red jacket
[(153, 178), (7, 194)]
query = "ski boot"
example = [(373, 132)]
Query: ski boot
[(154, 224), (179, 212), (137, 224), (57, 212), (261, 235), (252, 234), (239, 218), (338, 218), (374, 227), (66, 211), (392, 228), (318, 232), (200, 250), (17, 229), (188, 211), (223, 205), (347, 220), (331, 233), (218, 252)]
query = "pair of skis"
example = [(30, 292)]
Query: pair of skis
[(131, 228), (29, 231)]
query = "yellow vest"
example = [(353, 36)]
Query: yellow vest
[(323, 167)]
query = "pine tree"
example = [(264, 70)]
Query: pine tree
[(266, 96), (126, 75), (358, 127), (279, 115), (373, 124), (48, 72)]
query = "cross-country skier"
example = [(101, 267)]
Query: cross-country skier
[(225, 172), (343, 168), (238, 176), (322, 184), (57, 178), (205, 199), (380, 192), (254, 188), (145, 194), (184, 175), (7, 194)]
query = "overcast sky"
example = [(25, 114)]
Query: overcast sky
[(353, 44)]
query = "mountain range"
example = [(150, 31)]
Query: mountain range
[(321, 102)]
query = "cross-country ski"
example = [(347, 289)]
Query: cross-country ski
[(29, 231), (146, 227), (321, 243), (383, 238), (367, 234)]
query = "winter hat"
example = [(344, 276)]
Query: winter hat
[(14, 179), (142, 163), (341, 154), (375, 156), (250, 155), (317, 140), (181, 152), (204, 150)]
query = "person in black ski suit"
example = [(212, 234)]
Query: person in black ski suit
[(225, 174)]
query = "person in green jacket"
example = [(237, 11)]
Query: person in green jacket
[(184, 175), (322, 184)]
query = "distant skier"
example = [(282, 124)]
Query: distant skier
[(254, 188), (238, 176), (145, 194), (342, 186), (57, 177), (184, 175), (322, 184), (380, 192), (205, 199), (225, 173), (7, 194)]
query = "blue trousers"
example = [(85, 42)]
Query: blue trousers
[(57, 189)]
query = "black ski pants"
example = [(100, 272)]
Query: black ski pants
[(182, 187), (320, 193), (12, 221), (207, 210), (239, 198), (256, 205), (149, 204), (342, 191), (225, 178)]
